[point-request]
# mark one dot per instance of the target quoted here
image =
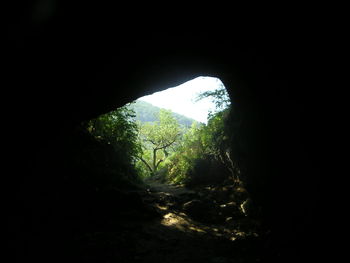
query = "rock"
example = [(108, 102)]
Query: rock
[(230, 210), (247, 207), (203, 211)]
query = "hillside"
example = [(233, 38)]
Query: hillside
[(146, 112)]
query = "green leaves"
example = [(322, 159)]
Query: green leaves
[(202, 143), (146, 112), (156, 138), (119, 129), (164, 143), (219, 96)]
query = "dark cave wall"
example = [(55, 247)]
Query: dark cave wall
[(68, 67)]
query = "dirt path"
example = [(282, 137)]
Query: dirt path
[(173, 224), (191, 229), (175, 190)]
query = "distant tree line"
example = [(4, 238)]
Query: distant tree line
[(146, 112)]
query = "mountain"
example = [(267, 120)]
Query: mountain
[(146, 112)]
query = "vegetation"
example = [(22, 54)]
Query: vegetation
[(120, 148), (146, 112), (157, 138), (118, 130), (156, 144), (199, 158), (203, 156)]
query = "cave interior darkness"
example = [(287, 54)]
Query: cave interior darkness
[(61, 71)]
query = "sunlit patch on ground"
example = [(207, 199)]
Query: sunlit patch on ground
[(177, 235), (171, 219), (183, 223), (163, 208), (170, 200), (180, 222)]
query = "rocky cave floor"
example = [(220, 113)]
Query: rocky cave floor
[(175, 224)]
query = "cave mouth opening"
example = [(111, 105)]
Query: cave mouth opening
[(176, 136), (172, 125), (177, 180)]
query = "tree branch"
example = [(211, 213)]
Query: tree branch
[(151, 141), (167, 145), (148, 166), (158, 163)]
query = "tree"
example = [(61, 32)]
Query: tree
[(204, 147), (219, 96), (118, 129), (146, 112), (219, 137), (157, 138)]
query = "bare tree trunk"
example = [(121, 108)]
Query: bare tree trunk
[(155, 160)]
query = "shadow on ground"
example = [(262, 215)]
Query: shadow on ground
[(176, 225)]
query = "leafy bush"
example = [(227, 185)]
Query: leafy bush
[(201, 154)]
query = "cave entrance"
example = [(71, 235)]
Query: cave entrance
[(180, 131), (175, 147), (176, 135)]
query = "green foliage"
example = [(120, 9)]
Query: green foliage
[(158, 139), (161, 133), (219, 96), (182, 154), (194, 146), (117, 128), (204, 153), (146, 112)]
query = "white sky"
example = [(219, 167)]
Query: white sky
[(181, 99)]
